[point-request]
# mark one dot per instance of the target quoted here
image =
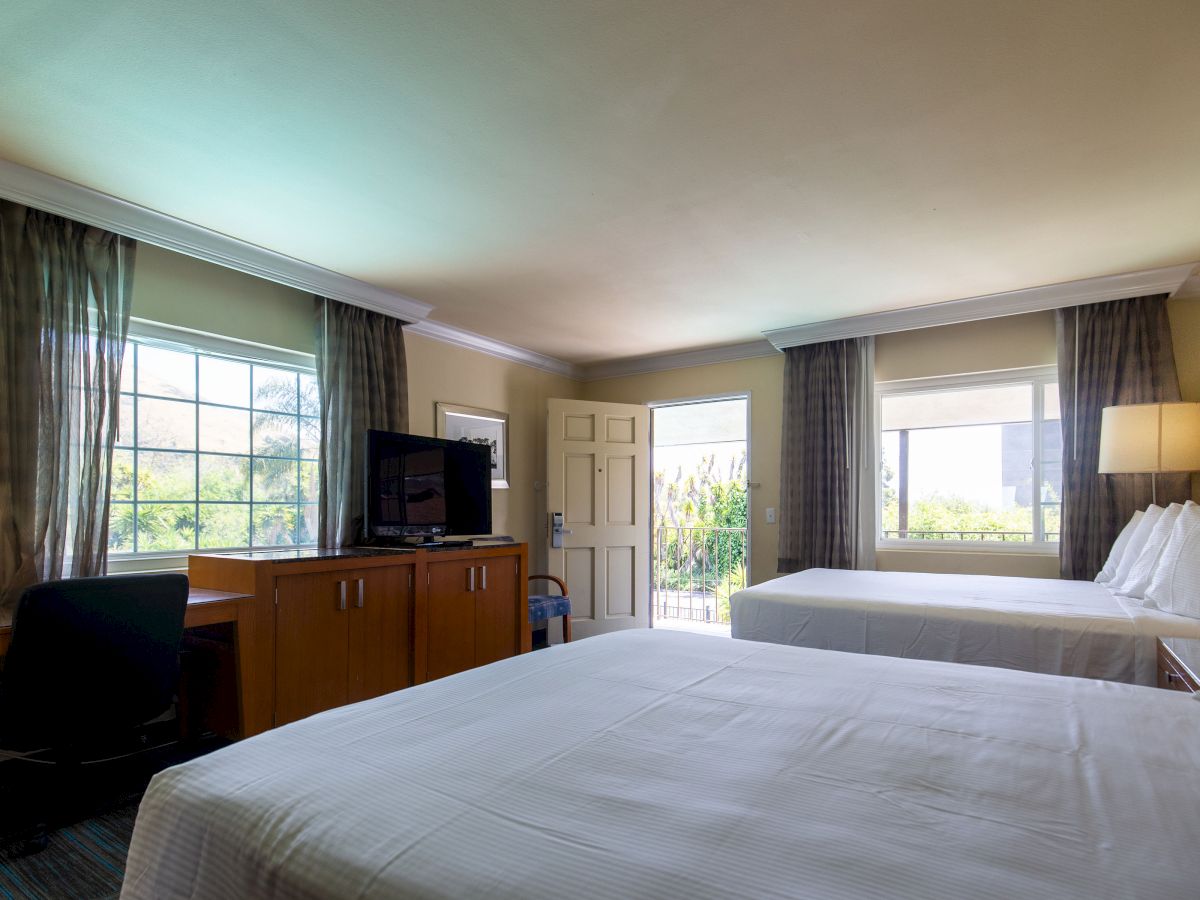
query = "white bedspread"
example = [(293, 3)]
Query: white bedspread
[(659, 764), (1033, 624)]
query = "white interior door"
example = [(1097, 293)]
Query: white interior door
[(598, 478)]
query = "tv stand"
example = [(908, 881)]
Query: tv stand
[(442, 545)]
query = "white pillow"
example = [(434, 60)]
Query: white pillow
[(1175, 587), (1137, 541), (1118, 548), (1137, 579)]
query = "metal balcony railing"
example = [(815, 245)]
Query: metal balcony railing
[(695, 569), (1002, 536)]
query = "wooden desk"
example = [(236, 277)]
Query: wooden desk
[(205, 607)]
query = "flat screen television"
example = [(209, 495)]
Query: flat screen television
[(425, 487)]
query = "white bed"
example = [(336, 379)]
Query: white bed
[(1034, 624), (659, 764)]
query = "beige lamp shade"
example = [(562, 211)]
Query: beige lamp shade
[(1150, 437)]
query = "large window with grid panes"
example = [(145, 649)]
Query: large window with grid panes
[(215, 452), (971, 461)]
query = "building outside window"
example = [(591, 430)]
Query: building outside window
[(971, 461), (215, 451)]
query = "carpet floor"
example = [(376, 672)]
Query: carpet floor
[(85, 856), (83, 861)]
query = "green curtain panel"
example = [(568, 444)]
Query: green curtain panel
[(363, 380), (827, 483), (1108, 354), (65, 292)]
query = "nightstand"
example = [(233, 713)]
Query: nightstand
[(1179, 664)]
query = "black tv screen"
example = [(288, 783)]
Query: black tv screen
[(426, 486)]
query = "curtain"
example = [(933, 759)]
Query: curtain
[(65, 292), (827, 472), (363, 380), (1108, 354)]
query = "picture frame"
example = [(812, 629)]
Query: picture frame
[(480, 426)]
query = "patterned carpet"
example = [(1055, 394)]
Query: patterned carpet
[(84, 861)]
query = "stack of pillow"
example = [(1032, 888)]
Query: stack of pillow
[(1156, 559)]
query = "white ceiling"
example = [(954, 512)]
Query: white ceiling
[(597, 180)]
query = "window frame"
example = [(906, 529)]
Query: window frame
[(198, 343), (1035, 376)]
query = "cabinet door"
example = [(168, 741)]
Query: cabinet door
[(311, 631), (450, 630), (497, 620), (381, 614)]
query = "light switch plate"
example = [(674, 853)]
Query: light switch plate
[(770, 515)]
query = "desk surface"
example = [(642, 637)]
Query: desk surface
[(201, 611)]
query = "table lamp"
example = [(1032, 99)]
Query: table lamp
[(1148, 438)]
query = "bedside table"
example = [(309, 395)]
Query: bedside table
[(1179, 664)]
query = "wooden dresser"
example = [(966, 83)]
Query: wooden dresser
[(330, 627), (1179, 664)]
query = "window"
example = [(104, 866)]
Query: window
[(214, 452), (971, 461)]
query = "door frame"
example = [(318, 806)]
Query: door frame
[(751, 484)]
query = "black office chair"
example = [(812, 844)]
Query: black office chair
[(91, 661)]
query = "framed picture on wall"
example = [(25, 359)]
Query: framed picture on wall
[(478, 426)]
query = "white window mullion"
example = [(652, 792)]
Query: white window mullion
[(1036, 464), (135, 556), (932, 422)]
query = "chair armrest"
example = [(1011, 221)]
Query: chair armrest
[(562, 585)]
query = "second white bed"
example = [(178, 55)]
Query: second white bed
[(1032, 624)]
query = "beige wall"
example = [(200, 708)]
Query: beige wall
[(178, 290), (1011, 342), (762, 379), (1185, 335), (443, 372)]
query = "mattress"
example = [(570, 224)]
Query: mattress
[(660, 764), (1033, 624)]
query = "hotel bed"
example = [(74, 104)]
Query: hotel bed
[(1033, 624), (660, 764)]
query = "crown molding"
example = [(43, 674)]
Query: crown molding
[(1190, 289), (644, 365), (65, 198), (460, 337), (1052, 296)]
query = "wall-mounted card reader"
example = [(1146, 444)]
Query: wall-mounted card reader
[(557, 531)]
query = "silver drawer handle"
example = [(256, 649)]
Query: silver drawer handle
[(471, 580), (360, 593), (483, 577), (341, 595)]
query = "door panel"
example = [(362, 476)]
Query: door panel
[(579, 427), (620, 490), (311, 645), (620, 567), (580, 565), (598, 476), (579, 489), (620, 429), (496, 622), (450, 635), (381, 632)]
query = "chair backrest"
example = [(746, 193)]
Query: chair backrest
[(91, 657)]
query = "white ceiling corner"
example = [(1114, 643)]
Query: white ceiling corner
[(1167, 280), (448, 334), (708, 356)]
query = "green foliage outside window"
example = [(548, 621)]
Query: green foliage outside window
[(700, 533)]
